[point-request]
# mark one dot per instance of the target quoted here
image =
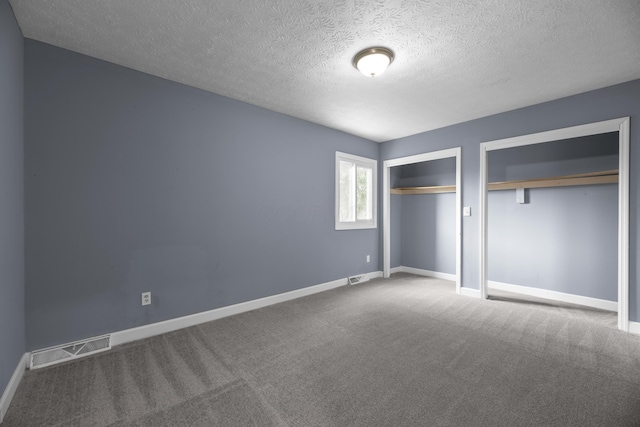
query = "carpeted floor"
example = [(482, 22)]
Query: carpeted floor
[(405, 351)]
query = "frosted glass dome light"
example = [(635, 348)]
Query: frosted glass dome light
[(373, 61)]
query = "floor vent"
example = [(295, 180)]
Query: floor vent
[(53, 355), (354, 280)]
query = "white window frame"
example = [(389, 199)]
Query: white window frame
[(359, 161)]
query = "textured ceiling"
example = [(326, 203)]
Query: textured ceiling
[(456, 60)]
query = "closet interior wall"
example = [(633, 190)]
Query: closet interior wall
[(561, 239), (423, 229)]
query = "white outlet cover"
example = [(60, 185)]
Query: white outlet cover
[(466, 211), (146, 298)]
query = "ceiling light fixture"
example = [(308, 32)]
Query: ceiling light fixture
[(373, 61)]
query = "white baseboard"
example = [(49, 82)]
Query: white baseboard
[(395, 270), (421, 272), (470, 292), (375, 274), (170, 325), (12, 386), (634, 328), (556, 296)]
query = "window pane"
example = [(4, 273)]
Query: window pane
[(364, 193), (356, 198), (347, 191)]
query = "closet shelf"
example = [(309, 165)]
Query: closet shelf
[(425, 190), (591, 178)]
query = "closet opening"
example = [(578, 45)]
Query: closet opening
[(423, 189), (553, 225)]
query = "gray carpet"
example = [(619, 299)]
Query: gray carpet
[(405, 351)]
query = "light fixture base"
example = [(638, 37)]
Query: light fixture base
[(373, 67)]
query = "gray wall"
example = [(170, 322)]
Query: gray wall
[(396, 218), (427, 228), (429, 232), (571, 156), (12, 329), (430, 173), (134, 183), (615, 101), (563, 239), (396, 230)]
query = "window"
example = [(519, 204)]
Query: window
[(356, 192)]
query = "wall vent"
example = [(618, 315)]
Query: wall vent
[(62, 353), (354, 280)]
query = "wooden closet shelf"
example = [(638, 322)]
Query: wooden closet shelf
[(590, 178), (425, 190)]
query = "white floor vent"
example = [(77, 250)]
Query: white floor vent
[(354, 280), (53, 355)]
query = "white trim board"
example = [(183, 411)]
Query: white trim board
[(470, 292), (395, 270), (12, 386), (620, 125), (556, 296), (634, 328), (146, 331), (386, 204), (421, 272), (375, 275)]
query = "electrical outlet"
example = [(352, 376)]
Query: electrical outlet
[(466, 211), (146, 298), (368, 258)]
